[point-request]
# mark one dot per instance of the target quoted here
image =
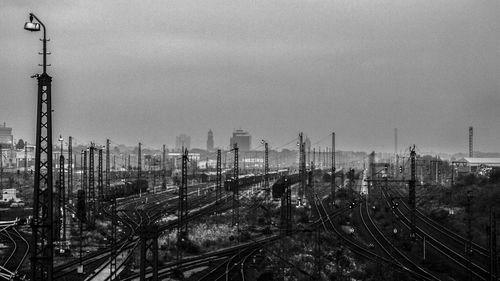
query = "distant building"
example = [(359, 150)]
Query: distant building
[(182, 141), (478, 162), (6, 138), (210, 140), (28, 154), (243, 139)]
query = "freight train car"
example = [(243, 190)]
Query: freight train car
[(250, 179), (125, 188), (243, 181)]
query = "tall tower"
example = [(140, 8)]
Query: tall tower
[(471, 138), (395, 141), (210, 140)]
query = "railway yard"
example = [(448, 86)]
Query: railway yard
[(262, 234)]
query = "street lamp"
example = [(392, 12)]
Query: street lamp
[(42, 233)]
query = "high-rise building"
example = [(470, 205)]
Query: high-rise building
[(6, 138), (242, 138), (181, 141), (210, 140)]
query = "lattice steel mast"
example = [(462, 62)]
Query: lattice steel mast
[(42, 238)]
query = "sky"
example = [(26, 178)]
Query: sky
[(146, 71)]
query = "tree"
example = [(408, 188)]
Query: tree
[(20, 144)]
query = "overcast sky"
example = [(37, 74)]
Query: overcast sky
[(150, 70)]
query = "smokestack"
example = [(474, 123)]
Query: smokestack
[(471, 138)]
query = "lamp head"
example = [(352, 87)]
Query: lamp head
[(30, 26)]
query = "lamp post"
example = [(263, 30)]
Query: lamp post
[(42, 251)]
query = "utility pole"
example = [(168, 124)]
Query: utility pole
[(411, 193), (236, 189), (218, 186), (84, 183), (182, 227), (112, 198), (70, 170), (62, 199), (100, 183), (80, 213), (286, 209), (266, 169), (149, 242), (302, 167), (164, 169), (91, 195), (108, 176), (114, 240), (42, 238), (332, 184), (139, 164), (371, 167)]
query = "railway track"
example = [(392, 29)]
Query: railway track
[(392, 251), (364, 252), (478, 251), (19, 253), (436, 239), (137, 211)]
